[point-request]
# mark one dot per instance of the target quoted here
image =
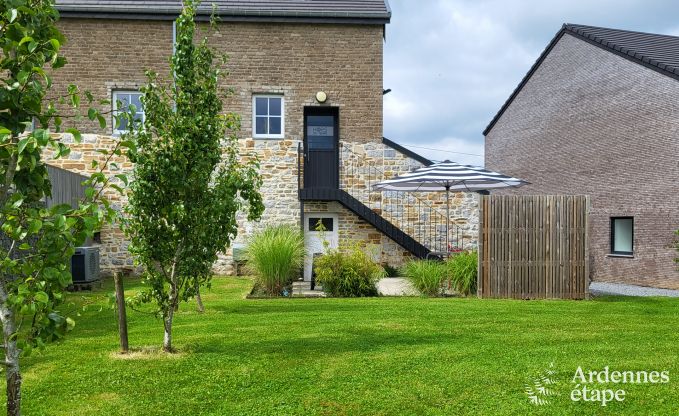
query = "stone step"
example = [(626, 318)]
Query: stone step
[(303, 288)]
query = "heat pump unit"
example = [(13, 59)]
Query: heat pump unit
[(85, 264)]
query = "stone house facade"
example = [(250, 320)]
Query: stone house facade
[(595, 116), (307, 83)]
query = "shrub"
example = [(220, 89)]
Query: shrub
[(427, 276), (351, 273), (390, 271), (462, 270), (275, 255)]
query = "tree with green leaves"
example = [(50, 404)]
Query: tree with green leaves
[(189, 182), (37, 241)]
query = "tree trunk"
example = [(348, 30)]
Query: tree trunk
[(173, 303), (167, 323), (13, 375), (199, 300), (169, 315)]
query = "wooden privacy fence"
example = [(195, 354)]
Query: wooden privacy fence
[(534, 247), (67, 187)]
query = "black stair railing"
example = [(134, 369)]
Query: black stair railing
[(420, 218)]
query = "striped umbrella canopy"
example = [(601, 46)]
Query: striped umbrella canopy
[(449, 176)]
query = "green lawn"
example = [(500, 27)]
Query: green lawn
[(378, 356)]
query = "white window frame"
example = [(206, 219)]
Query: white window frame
[(114, 96), (254, 117)]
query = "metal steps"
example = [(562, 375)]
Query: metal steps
[(368, 215)]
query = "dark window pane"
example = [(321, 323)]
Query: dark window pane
[(275, 106), (320, 143), (136, 100), (122, 101), (320, 121), (261, 106), (274, 125), (262, 126), (328, 223), (123, 123)]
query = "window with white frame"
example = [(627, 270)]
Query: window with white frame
[(268, 117), (121, 104)]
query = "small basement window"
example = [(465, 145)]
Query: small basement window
[(328, 223), (622, 235), (121, 103), (268, 117)]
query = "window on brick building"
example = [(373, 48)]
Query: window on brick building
[(622, 235), (121, 103), (268, 117)]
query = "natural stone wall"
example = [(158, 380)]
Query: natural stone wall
[(422, 215), (278, 168), (113, 249), (353, 230)]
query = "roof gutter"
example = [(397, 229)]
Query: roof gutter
[(171, 13)]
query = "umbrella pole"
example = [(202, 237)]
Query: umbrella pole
[(448, 235), (447, 218)]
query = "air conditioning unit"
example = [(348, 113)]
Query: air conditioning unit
[(85, 264)]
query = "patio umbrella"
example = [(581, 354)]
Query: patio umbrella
[(449, 176)]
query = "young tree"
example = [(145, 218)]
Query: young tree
[(37, 242), (188, 181)]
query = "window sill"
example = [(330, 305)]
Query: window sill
[(268, 137), (624, 256)]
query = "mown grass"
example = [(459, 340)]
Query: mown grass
[(364, 356)]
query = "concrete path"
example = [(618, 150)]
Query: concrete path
[(395, 286), (600, 288)]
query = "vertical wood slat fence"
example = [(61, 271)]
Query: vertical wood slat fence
[(534, 247), (67, 187)]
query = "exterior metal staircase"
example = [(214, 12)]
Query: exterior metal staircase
[(411, 221)]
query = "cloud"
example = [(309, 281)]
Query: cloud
[(451, 64)]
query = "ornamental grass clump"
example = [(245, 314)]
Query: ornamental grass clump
[(348, 273), (427, 276), (462, 270), (275, 255)]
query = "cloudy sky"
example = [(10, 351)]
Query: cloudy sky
[(451, 64)]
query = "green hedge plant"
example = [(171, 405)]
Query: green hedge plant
[(427, 276), (275, 255), (462, 270), (348, 273)]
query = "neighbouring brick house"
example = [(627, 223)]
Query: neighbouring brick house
[(307, 81), (596, 115)]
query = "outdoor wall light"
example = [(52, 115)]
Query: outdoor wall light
[(321, 97)]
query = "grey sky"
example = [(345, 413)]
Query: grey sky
[(452, 63)]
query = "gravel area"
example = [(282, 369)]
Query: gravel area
[(395, 286), (599, 288)]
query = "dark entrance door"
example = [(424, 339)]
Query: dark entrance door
[(321, 147)]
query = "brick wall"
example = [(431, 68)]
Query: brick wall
[(591, 122), (296, 60)]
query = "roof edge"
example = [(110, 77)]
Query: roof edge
[(171, 13), (206, 18), (407, 152), (573, 31), (622, 52), (525, 79)]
